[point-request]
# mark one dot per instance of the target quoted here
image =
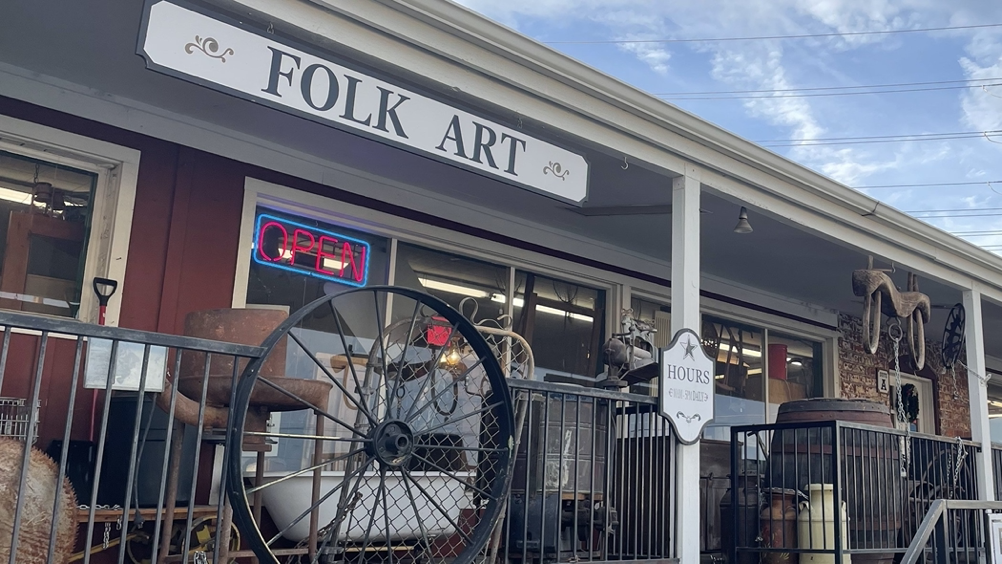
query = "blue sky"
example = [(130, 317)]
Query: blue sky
[(969, 57)]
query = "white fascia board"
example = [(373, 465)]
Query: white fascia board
[(539, 83)]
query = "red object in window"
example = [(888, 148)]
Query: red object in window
[(438, 335), (777, 361)]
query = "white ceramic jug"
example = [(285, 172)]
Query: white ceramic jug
[(816, 525)]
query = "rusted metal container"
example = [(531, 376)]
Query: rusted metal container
[(242, 326), (779, 525)]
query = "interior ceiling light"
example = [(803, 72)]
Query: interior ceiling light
[(452, 288), (743, 226)]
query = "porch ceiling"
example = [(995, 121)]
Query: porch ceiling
[(92, 43)]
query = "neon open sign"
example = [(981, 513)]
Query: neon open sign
[(303, 249)]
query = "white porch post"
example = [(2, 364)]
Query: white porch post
[(685, 314), (978, 393)]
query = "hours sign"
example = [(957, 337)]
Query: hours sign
[(686, 385)]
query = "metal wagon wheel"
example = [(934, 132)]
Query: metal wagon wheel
[(953, 336), (393, 462)]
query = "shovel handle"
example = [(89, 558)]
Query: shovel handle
[(104, 288)]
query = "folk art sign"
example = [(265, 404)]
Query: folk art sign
[(187, 42)]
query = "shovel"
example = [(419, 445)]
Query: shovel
[(105, 289), (82, 455)]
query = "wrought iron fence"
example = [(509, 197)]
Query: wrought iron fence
[(111, 476), (593, 477), (954, 531), (839, 488), (131, 426), (712, 491), (997, 469)]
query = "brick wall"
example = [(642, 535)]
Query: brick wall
[(858, 373)]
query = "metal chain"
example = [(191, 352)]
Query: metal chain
[(200, 557), (107, 535), (983, 377), (961, 455), (894, 332), (956, 392)]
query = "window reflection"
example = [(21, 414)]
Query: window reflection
[(565, 325), (795, 370), (478, 289), (45, 215), (658, 316), (995, 410), (737, 349)]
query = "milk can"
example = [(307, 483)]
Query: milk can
[(816, 525), (779, 524)]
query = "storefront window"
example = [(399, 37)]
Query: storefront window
[(740, 388), (565, 325), (45, 214), (477, 289), (657, 316), (995, 410), (795, 369), (295, 261)]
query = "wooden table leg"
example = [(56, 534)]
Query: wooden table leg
[(177, 442)]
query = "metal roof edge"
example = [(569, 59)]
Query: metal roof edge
[(461, 21)]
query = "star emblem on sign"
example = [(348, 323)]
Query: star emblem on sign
[(689, 347)]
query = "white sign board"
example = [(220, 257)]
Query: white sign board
[(128, 366), (686, 385), (185, 42)]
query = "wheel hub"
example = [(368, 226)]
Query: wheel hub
[(391, 443)]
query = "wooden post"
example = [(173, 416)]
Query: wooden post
[(685, 314), (978, 393)]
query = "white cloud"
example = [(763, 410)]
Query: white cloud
[(982, 107), (655, 57), (778, 65)]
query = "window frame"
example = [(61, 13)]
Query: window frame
[(265, 194), (117, 170), (619, 288)]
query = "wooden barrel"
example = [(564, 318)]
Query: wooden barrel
[(870, 479)]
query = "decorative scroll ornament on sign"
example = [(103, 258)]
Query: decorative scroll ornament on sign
[(210, 47), (555, 169)]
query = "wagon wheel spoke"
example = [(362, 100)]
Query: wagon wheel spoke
[(427, 497), (359, 404), (305, 470), (392, 454), (347, 478)]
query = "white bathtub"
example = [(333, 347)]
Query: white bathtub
[(287, 500)]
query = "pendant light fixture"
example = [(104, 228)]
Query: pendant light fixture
[(743, 226)]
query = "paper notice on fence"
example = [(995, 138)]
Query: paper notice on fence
[(128, 366)]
